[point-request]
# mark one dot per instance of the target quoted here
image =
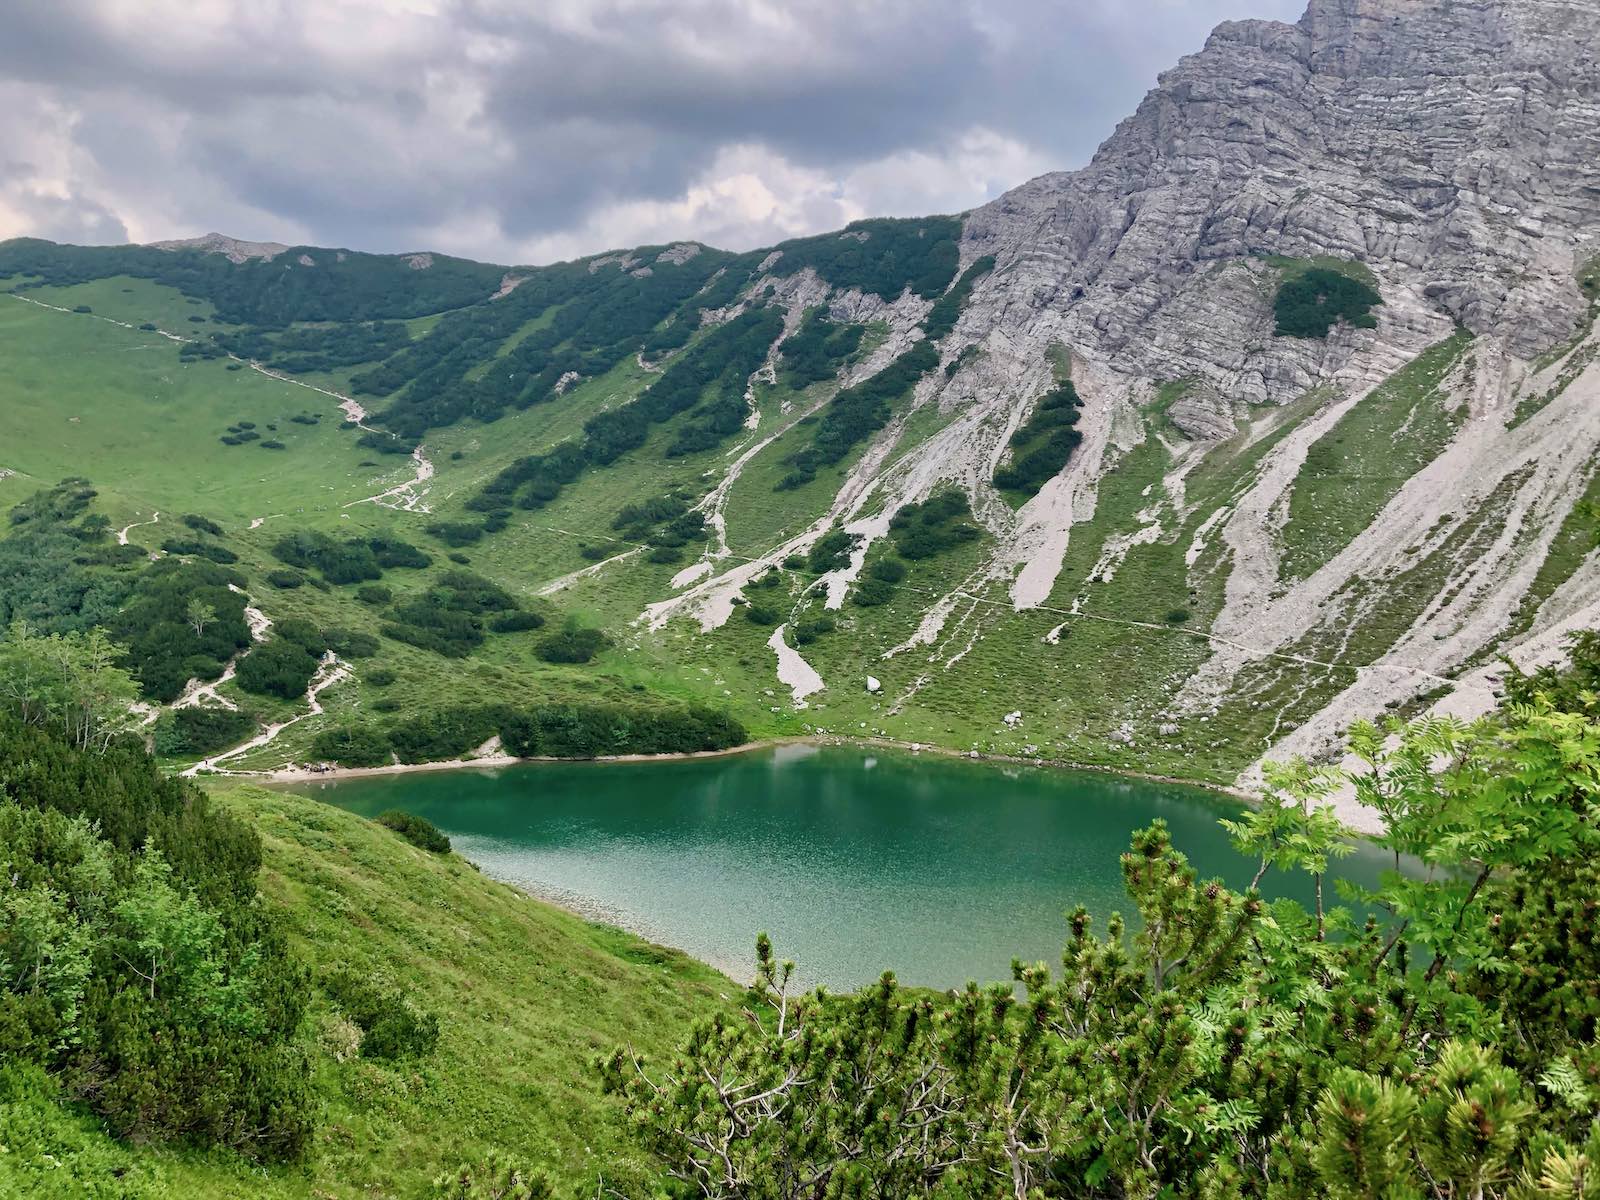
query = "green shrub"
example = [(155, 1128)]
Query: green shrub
[(571, 644), (762, 614), (374, 594), (516, 622), (392, 1026), (890, 570), (202, 525), (599, 730), (445, 733), (198, 549), (199, 731), (938, 524), (350, 643), (456, 533), (419, 831), (111, 861), (831, 552), (352, 746), (1311, 303), (281, 577), (806, 632), (1045, 444), (380, 677), (493, 1179), (870, 592), (277, 667)]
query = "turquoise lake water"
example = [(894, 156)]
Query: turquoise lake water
[(853, 860)]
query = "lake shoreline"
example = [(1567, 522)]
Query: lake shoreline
[(291, 775)]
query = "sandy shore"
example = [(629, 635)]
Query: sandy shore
[(496, 761)]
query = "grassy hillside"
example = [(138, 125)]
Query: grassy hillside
[(609, 369), (526, 996)]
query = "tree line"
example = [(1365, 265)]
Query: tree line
[(550, 729)]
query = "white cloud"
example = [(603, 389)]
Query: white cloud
[(502, 130)]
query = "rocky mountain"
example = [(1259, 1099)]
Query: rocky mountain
[(1453, 150), (845, 483)]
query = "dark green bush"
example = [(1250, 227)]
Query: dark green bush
[(196, 731), (1311, 303), (350, 643), (207, 1053), (882, 255), (419, 831), (445, 733), (198, 549), (762, 614), (278, 667), (1044, 445), (806, 632), (598, 730), (392, 1026), (816, 350), (890, 570), (280, 577), (571, 644), (380, 677), (374, 594), (352, 746), (831, 552), (857, 412), (870, 592), (516, 622), (938, 524), (456, 533)]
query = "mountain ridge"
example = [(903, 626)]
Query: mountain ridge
[(1252, 538)]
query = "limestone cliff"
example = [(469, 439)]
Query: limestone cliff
[(1452, 150)]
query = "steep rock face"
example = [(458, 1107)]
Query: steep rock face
[(1453, 148), (1338, 527)]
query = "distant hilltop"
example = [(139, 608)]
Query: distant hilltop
[(236, 249)]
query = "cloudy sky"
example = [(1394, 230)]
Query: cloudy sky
[(542, 129)]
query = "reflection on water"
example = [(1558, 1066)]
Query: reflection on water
[(939, 869)]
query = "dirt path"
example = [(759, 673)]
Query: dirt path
[(122, 534), (348, 405), (409, 496), (566, 581), (197, 690), (331, 671)]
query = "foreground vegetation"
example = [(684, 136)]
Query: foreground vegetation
[(385, 940), (1217, 1045), (248, 994)]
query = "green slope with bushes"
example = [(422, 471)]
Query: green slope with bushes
[(521, 998)]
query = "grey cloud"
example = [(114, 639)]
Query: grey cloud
[(506, 125)]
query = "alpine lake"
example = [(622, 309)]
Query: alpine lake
[(854, 860)]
